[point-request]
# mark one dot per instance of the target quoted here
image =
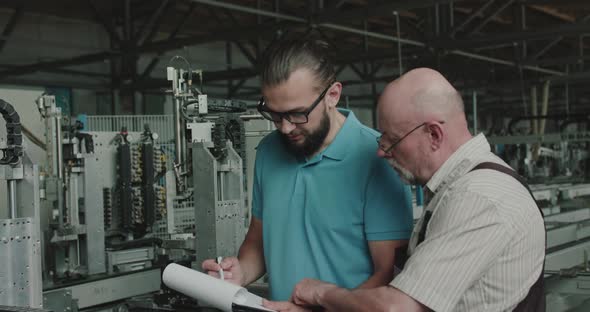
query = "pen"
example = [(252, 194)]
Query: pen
[(220, 269)]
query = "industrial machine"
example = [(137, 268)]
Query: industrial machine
[(20, 239), (99, 198), (96, 224), (217, 148), (560, 155)]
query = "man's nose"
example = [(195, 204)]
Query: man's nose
[(285, 126)]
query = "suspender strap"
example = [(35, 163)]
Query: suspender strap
[(508, 171), (484, 165)]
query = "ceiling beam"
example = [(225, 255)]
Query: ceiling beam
[(103, 21), (45, 66), (150, 67), (488, 18), (373, 9), (247, 54), (472, 16), (71, 84), (555, 41), (375, 35), (231, 34), (228, 34), (9, 28), (557, 61), (528, 35), (551, 2), (547, 47), (150, 27), (553, 13), (67, 72)]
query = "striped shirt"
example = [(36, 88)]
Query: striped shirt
[(485, 242)]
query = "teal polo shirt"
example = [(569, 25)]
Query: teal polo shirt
[(319, 214)]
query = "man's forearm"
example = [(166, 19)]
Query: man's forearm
[(376, 280), (340, 299), (385, 298), (252, 263), (383, 254)]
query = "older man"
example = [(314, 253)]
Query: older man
[(480, 244)]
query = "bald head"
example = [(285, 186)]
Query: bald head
[(422, 100), (421, 94)]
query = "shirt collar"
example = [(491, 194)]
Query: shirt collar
[(460, 162), (339, 147)]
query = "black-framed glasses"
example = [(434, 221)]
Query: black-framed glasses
[(390, 148), (292, 117)]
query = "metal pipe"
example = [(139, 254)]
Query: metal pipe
[(452, 14), (544, 107), (472, 16), (534, 112), (522, 96), (474, 99), (567, 92), (582, 52), (127, 21), (246, 9), (59, 148), (508, 63), (60, 202), (74, 209), (370, 34), (361, 32), (491, 16), (12, 199), (178, 133), (399, 44), (523, 27), (436, 20), (52, 134)]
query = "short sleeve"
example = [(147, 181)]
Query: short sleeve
[(388, 206), (462, 239)]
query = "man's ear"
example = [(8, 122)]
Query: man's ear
[(333, 95), (436, 134)]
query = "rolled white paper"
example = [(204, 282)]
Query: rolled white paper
[(207, 289)]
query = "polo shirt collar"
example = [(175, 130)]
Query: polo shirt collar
[(460, 162), (339, 147)]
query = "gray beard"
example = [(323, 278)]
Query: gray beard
[(405, 175)]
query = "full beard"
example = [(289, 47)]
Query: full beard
[(405, 175), (312, 141)]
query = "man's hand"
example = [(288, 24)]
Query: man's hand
[(309, 292), (232, 271), (283, 306)]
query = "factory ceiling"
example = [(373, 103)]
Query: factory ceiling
[(498, 47)]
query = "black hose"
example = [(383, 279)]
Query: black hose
[(14, 149)]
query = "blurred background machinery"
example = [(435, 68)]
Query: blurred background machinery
[(116, 201)]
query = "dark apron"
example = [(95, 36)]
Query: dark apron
[(535, 299)]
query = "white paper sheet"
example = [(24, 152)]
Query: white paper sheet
[(208, 290)]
